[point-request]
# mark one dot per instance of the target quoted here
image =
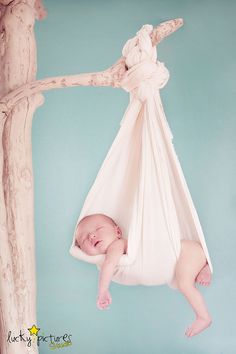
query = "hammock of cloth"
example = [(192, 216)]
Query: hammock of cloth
[(140, 184)]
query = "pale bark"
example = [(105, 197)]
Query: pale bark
[(109, 77), (17, 248), (20, 96)]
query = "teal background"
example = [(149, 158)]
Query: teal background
[(72, 133)]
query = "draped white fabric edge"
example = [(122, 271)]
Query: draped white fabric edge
[(141, 184)]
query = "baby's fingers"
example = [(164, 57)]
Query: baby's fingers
[(102, 305)]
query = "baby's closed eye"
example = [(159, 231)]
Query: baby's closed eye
[(77, 244)]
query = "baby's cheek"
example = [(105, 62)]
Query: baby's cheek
[(90, 251), (85, 249)]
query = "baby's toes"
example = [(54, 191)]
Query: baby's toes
[(206, 283), (188, 332)]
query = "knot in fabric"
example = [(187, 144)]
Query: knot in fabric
[(145, 73)]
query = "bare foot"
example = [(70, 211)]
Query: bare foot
[(198, 325), (204, 276)]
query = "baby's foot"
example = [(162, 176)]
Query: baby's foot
[(198, 325), (204, 276)]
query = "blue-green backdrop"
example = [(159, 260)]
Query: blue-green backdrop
[(72, 133)]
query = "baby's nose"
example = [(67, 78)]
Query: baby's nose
[(91, 235)]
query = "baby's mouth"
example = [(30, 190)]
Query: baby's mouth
[(96, 243)]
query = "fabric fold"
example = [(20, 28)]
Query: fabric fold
[(141, 184)]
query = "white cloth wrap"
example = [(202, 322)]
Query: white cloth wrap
[(146, 75), (140, 183)]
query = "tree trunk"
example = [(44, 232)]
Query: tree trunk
[(17, 246)]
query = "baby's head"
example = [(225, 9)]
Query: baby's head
[(95, 233)]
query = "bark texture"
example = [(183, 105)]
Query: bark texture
[(17, 247)]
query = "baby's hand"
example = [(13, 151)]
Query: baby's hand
[(104, 300)]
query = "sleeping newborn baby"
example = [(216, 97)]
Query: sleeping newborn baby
[(99, 234)]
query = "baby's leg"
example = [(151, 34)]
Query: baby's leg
[(191, 260)]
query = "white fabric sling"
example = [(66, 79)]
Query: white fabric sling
[(140, 183)]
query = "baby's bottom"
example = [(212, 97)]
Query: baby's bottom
[(191, 267)]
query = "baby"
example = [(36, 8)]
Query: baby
[(99, 234)]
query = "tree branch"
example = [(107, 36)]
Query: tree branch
[(164, 29), (109, 77)]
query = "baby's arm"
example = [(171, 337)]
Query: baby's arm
[(114, 252)]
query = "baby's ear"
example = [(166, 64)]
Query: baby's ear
[(119, 232)]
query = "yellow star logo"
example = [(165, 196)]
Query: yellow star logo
[(33, 330)]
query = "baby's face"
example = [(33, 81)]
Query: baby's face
[(95, 234)]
